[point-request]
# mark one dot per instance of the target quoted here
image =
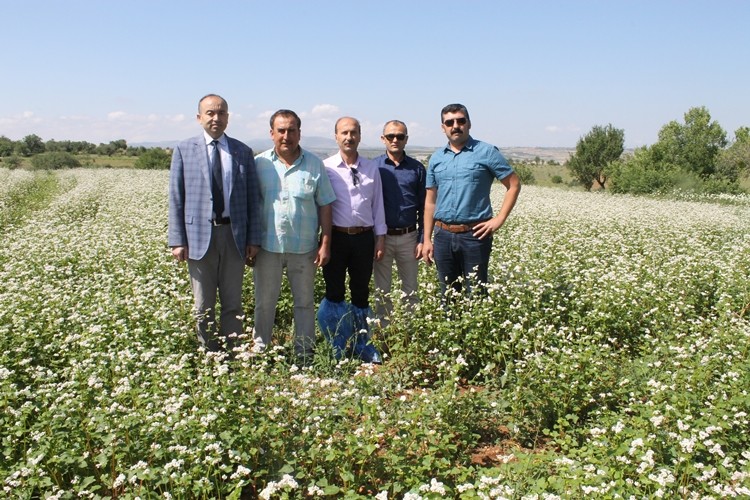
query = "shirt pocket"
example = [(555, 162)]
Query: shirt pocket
[(302, 189), (477, 174), (439, 168)]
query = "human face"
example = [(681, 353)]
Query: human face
[(348, 135), (213, 116), (285, 135), (457, 133), (395, 138)]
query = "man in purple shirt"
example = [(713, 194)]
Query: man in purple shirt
[(357, 239), (403, 180)]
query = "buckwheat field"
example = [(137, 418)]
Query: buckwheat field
[(609, 359)]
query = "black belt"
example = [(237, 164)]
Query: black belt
[(396, 231), (352, 230), (220, 221)]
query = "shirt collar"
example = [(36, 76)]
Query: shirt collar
[(222, 140), (469, 145), (391, 162), (343, 164), (275, 156)]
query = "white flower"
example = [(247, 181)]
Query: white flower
[(435, 486)]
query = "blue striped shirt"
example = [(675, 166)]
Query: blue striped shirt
[(290, 198)]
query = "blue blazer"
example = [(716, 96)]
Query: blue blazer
[(190, 201)]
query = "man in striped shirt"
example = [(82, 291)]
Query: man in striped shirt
[(296, 198)]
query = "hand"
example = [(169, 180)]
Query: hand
[(180, 253), (486, 228), (418, 251), (250, 252), (427, 252), (323, 256), (379, 248)]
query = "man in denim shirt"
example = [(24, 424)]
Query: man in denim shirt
[(457, 206)]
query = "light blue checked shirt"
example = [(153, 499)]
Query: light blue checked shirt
[(290, 198)]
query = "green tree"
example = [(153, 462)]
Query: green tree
[(30, 145), (114, 147), (154, 159), (642, 173), (594, 153), (693, 146), (734, 161), (6, 146), (742, 134), (525, 174)]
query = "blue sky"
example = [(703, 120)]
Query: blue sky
[(531, 73)]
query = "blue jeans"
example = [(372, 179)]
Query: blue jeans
[(460, 254)]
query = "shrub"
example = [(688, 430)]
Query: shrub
[(12, 162), (525, 174), (54, 161), (154, 159), (557, 179), (640, 174)]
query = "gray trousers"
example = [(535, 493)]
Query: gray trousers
[(399, 249), (267, 273), (222, 270)]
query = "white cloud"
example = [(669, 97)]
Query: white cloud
[(324, 110), (557, 129), (116, 115)]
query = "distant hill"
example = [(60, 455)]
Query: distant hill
[(325, 147)]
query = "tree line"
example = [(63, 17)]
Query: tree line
[(695, 155), (54, 154)]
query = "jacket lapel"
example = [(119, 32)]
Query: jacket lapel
[(201, 155)]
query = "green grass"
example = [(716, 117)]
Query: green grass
[(26, 196)]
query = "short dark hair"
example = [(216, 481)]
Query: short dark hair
[(454, 108), (395, 122), (288, 113), (226, 104)]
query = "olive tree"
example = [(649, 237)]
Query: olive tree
[(594, 153)]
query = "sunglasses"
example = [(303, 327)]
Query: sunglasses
[(400, 137), (355, 175), (460, 121)]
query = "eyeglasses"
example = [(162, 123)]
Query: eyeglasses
[(400, 137), (355, 175), (460, 121)]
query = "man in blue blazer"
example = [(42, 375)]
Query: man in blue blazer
[(214, 221)]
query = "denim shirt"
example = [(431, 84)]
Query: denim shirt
[(464, 181)]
